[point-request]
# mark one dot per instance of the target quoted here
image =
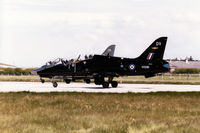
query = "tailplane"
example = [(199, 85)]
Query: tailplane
[(155, 51)]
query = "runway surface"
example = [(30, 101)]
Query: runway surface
[(82, 87)]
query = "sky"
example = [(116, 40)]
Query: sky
[(33, 32)]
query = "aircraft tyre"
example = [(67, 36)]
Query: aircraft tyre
[(87, 81), (42, 80), (55, 84), (98, 82), (105, 84), (67, 81), (114, 84)]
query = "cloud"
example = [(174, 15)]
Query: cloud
[(65, 28)]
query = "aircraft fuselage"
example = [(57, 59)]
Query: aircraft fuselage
[(112, 66)]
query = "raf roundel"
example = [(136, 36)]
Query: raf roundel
[(132, 67)]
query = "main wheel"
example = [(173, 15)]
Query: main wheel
[(105, 84), (99, 80), (55, 84), (114, 84)]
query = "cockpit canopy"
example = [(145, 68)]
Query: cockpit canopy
[(65, 61), (53, 62)]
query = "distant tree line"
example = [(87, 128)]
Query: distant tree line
[(15, 71), (186, 59)]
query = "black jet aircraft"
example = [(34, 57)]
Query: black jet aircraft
[(106, 66)]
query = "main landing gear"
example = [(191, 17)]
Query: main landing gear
[(114, 84), (101, 81), (97, 81), (105, 85)]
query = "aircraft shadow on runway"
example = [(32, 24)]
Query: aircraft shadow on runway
[(101, 88)]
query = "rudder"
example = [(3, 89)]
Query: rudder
[(155, 51)]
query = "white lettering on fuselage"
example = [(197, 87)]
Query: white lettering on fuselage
[(145, 67)]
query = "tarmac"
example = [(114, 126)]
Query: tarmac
[(92, 88)]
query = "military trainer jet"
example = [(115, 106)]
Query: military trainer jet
[(106, 66)]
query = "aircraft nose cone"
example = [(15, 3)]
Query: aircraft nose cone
[(38, 70), (34, 72)]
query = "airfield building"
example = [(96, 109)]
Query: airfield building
[(186, 63)]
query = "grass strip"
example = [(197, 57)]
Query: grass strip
[(171, 112)]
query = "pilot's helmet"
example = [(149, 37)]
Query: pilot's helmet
[(90, 56)]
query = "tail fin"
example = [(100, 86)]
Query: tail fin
[(155, 51), (109, 51)]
